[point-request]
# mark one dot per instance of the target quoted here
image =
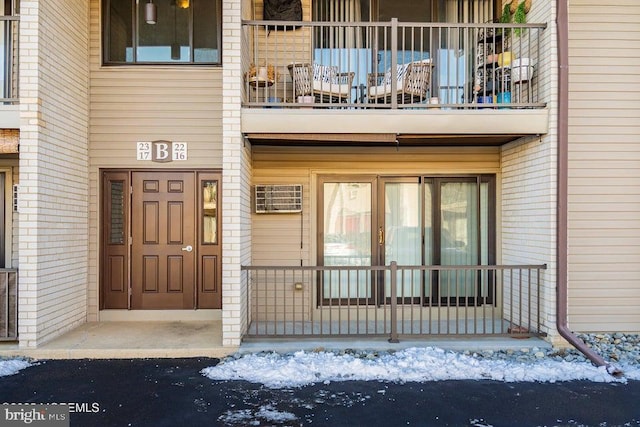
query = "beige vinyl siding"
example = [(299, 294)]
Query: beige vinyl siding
[(283, 239), (146, 103), (604, 165), (155, 104), (277, 238)]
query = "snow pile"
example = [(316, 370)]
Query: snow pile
[(12, 366), (413, 364)]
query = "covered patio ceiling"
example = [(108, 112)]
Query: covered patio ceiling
[(343, 127)]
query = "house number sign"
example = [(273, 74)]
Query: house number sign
[(161, 151)]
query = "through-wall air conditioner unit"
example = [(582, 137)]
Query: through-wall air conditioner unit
[(279, 198)]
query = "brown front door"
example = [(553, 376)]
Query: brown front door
[(163, 238), (162, 249)]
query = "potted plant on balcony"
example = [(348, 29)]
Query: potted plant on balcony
[(520, 16), (515, 11)]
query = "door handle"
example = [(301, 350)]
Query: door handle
[(188, 248)]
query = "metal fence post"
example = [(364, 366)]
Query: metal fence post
[(394, 63), (394, 303)]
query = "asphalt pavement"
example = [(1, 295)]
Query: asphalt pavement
[(173, 392)]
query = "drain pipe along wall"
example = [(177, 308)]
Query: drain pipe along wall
[(562, 25)]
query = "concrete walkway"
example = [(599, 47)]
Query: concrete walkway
[(115, 340)]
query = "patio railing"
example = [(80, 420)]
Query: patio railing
[(393, 301), (391, 65), (8, 304)]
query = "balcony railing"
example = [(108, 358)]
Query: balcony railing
[(391, 65), (393, 301), (9, 69)]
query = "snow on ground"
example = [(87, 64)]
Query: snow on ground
[(12, 366), (250, 417), (413, 364)]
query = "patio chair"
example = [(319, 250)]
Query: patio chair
[(323, 82), (413, 83)]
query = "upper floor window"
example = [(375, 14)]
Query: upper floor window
[(162, 32), (9, 9)]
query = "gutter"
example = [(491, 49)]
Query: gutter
[(562, 24)]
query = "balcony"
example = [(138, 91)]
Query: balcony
[(392, 301), (392, 82), (9, 109)]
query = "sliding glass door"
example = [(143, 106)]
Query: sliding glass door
[(400, 234), (414, 221)]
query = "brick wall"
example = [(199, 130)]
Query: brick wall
[(529, 183), (236, 224), (528, 223), (53, 168)]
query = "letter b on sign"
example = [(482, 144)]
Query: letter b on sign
[(161, 151)]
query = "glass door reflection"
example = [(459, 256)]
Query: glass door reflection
[(346, 241)]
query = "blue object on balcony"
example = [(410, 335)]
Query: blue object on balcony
[(504, 98), (274, 100), (452, 76)]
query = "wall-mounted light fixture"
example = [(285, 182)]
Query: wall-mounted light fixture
[(150, 13), (183, 4)]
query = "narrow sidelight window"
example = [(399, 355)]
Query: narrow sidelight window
[(117, 214), (210, 212)]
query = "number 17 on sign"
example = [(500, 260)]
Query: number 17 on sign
[(143, 151)]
